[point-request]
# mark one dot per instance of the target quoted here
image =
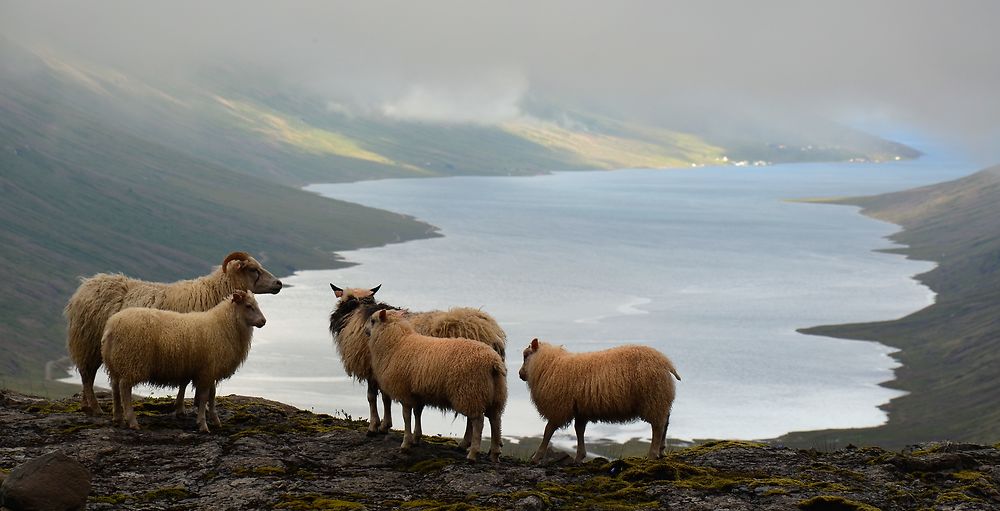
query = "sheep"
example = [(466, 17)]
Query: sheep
[(457, 374), (167, 348), (347, 325), (102, 295), (615, 385)]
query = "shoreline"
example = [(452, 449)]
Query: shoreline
[(434, 231)]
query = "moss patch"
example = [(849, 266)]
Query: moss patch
[(314, 501), (718, 445), (49, 407), (173, 493), (435, 505)]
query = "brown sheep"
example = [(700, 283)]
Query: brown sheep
[(167, 348), (347, 325), (614, 385), (447, 373), (104, 294)]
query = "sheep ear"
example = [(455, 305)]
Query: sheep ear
[(337, 291), (534, 344), (376, 288), (381, 315), (239, 297), (235, 256)]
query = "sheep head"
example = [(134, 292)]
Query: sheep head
[(247, 273), (383, 317), (530, 350), (356, 293), (247, 308)]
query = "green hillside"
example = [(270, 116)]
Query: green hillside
[(950, 351)]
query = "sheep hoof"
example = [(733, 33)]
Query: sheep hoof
[(371, 432), (495, 457), (384, 429), (473, 456), (134, 426), (180, 414)]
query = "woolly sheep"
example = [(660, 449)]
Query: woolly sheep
[(347, 325), (102, 295), (615, 385), (447, 373), (167, 348)]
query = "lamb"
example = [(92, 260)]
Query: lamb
[(615, 385), (447, 373), (347, 325), (102, 295), (167, 348)]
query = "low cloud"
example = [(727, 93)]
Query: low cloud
[(494, 99)]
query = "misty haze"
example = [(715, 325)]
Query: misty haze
[(795, 203)]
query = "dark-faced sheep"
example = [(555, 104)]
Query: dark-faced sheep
[(166, 348), (614, 385), (447, 373), (104, 294), (347, 325)]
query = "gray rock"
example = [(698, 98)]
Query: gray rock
[(52, 482), (529, 503)]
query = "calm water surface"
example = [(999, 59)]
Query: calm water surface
[(712, 266)]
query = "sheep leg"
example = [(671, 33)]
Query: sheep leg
[(417, 430), (581, 450), (550, 428), (373, 421), (467, 438), (201, 400), (495, 440), (212, 415), (387, 413), (179, 410), (407, 435), (477, 437), (87, 398), (116, 403), (125, 391), (663, 437), (659, 432)]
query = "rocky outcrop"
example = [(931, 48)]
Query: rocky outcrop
[(272, 456), (51, 482)]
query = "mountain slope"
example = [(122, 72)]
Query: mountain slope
[(81, 195), (950, 351)]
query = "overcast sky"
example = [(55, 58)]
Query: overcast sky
[(932, 65)]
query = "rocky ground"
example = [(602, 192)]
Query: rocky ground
[(272, 456)]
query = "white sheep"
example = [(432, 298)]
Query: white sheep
[(167, 348), (615, 385), (447, 373), (347, 325), (102, 295)]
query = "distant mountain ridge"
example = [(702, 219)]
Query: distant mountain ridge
[(950, 351)]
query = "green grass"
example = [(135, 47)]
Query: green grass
[(950, 351)]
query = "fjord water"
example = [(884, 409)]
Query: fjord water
[(713, 266)]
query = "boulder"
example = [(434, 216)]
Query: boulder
[(52, 482)]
